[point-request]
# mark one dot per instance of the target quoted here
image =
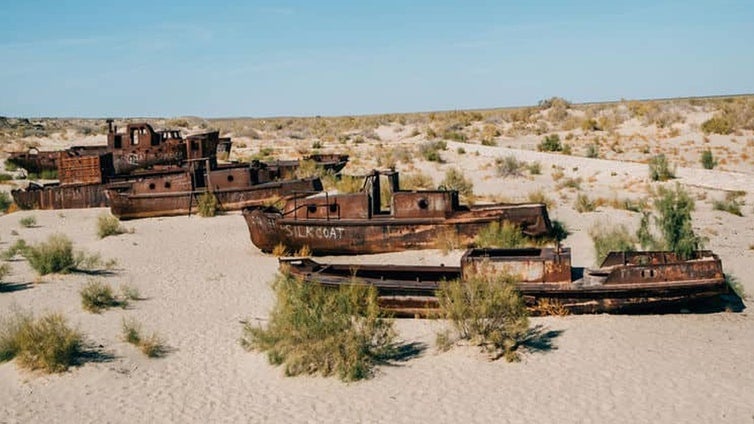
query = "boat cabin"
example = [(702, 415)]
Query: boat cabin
[(369, 203)]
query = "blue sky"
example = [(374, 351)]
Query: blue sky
[(254, 58)]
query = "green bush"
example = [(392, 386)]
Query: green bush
[(613, 239), (708, 161), (5, 201), (644, 234), (97, 296), (4, 178), (108, 225), (208, 205), (551, 143), (46, 343), (507, 235), (659, 169), (28, 221), (674, 207), (486, 310), (313, 329)]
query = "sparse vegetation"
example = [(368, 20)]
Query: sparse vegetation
[(447, 240), (708, 161), (584, 204), (718, 124), (550, 143), (485, 310), (507, 235), (416, 181), (431, 150), (508, 166), (108, 225), (46, 343), (5, 201), (612, 239), (207, 206), (152, 346), (56, 255), (659, 169), (593, 150), (534, 168), (315, 330), (731, 203), (456, 180), (97, 296), (28, 221)]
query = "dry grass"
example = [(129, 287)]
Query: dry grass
[(153, 346), (45, 343)]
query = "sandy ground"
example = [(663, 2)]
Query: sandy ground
[(201, 277)]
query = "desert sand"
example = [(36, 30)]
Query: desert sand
[(201, 277)]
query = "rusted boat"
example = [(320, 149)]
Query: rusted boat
[(624, 282), (177, 192), (356, 223), (142, 153)]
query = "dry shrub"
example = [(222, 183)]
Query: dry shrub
[(46, 343), (507, 235), (456, 180), (208, 205), (316, 330), (539, 196), (546, 306), (485, 310), (416, 181), (508, 166), (612, 239), (448, 239), (56, 255), (731, 203), (584, 204), (659, 169), (153, 346), (280, 250), (28, 221), (97, 296), (108, 225)]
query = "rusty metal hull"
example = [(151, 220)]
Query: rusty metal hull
[(55, 196), (410, 290), (380, 234), (129, 205)]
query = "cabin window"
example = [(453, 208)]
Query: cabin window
[(117, 142), (423, 203), (230, 178), (134, 137), (167, 184), (151, 186), (194, 145)]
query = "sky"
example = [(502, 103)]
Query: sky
[(66, 58)]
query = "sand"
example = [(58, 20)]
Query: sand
[(202, 276)]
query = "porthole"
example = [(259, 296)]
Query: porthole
[(311, 208), (167, 184), (151, 186), (423, 203), (230, 178), (333, 207)]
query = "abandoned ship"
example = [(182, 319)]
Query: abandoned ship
[(624, 282), (356, 223)]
